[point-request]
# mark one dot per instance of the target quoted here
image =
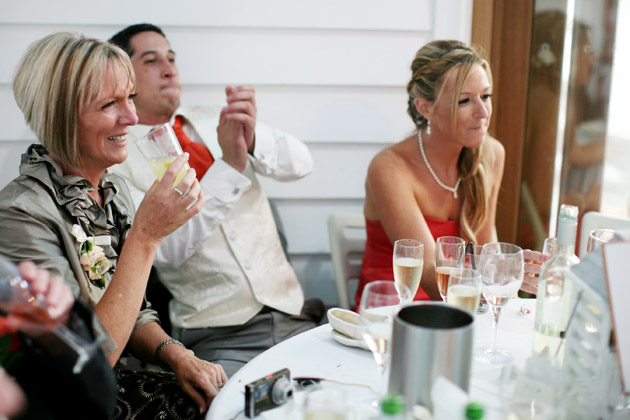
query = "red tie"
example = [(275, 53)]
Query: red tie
[(200, 157)]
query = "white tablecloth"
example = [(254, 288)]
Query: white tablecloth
[(354, 372)]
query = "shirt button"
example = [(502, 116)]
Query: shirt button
[(232, 237), (248, 266)]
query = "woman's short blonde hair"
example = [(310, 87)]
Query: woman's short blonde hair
[(57, 77)]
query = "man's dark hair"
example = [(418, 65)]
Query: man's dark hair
[(123, 37)]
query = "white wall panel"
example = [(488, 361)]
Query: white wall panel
[(307, 220), (313, 114), (339, 173), (326, 14), (263, 56)]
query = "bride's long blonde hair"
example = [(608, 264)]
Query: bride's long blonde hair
[(428, 68)]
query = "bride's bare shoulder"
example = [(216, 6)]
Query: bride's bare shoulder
[(497, 152), (393, 158)]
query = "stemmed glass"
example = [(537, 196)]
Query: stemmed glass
[(501, 265), (408, 261), (449, 257), (597, 237), (16, 298), (379, 303)]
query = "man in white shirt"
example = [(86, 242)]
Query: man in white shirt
[(234, 292)]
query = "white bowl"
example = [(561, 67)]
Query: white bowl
[(346, 322)]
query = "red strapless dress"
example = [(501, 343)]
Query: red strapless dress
[(377, 260)]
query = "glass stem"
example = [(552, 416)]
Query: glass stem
[(76, 343), (383, 372), (496, 312)]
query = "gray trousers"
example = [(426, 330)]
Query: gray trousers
[(232, 347)]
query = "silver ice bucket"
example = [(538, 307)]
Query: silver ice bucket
[(430, 339)]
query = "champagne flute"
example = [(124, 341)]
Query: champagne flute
[(379, 303), (16, 298), (408, 262), (449, 257), (501, 266), (464, 289), (597, 237)]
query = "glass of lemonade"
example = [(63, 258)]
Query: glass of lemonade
[(408, 261), (160, 148), (464, 289), (449, 258)]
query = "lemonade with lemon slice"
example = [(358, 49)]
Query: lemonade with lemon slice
[(159, 165)]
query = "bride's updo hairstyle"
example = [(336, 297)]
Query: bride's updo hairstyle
[(428, 69)]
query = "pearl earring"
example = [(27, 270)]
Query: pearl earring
[(428, 129)]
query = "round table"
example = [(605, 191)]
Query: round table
[(354, 372)]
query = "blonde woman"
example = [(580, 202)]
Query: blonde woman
[(69, 214), (444, 179)]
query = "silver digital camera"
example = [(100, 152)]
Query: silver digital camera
[(268, 392)]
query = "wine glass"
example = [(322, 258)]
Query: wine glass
[(464, 289), (501, 265), (379, 303), (16, 298), (597, 237), (408, 262), (449, 257)]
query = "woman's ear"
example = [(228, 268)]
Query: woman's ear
[(424, 107)]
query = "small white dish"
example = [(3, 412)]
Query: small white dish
[(346, 322), (350, 342)]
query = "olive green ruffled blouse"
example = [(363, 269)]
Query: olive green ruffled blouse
[(52, 220)]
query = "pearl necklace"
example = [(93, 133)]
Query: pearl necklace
[(426, 162)]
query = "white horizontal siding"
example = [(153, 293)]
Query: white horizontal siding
[(315, 114), (322, 14), (262, 56), (333, 73)]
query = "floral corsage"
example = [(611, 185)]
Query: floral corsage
[(92, 256)]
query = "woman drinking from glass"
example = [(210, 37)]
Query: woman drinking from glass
[(68, 214)]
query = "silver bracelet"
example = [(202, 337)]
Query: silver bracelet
[(163, 344)]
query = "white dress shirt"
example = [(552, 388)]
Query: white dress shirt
[(225, 277)]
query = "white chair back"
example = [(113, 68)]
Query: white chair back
[(346, 232), (595, 220)]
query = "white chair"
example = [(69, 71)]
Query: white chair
[(346, 232), (595, 220)]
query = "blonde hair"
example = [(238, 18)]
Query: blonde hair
[(429, 68), (57, 77)]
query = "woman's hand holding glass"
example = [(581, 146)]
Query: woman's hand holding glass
[(449, 258), (38, 305), (408, 261), (501, 267), (164, 209)]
